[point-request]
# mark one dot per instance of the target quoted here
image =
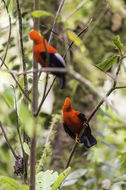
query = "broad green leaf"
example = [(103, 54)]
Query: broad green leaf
[(26, 148), (73, 177), (9, 183), (61, 178), (117, 42), (77, 41), (44, 180), (8, 96), (26, 118), (24, 187), (39, 13), (107, 64)]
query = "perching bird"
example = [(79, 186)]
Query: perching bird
[(47, 56), (73, 121)]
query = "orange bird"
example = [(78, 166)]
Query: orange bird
[(73, 121), (46, 55)]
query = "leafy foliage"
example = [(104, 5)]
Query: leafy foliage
[(117, 42), (41, 13), (73, 177), (107, 64), (9, 183), (60, 179), (44, 180)]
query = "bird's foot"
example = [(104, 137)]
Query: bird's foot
[(85, 124), (77, 138)]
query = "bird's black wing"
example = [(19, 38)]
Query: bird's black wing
[(67, 130), (55, 60), (87, 138)]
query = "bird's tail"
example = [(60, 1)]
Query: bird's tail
[(62, 81), (88, 139)]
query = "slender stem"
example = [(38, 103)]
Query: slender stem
[(7, 141), (25, 156), (120, 87), (17, 122), (55, 20), (21, 44), (43, 69), (9, 36), (100, 103), (81, 32), (34, 108), (17, 83), (43, 99)]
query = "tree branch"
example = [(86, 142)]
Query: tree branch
[(11, 73), (97, 107), (7, 141), (55, 20), (9, 35), (34, 108), (25, 156)]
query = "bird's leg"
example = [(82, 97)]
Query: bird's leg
[(77, 138), (85, 124)]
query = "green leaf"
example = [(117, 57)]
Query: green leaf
[(73, 177), (39, 13), (24, 187), (26, 118), (61, 178), (26, 148), (107, 64), (44, 180), (9, 183), (77, 41), (117, 42), (8, 96)]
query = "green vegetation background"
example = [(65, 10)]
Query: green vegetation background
[(104, 165)]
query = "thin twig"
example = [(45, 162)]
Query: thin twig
[(43, 97), (104, 72), (43, 69), (9, 35), (25, 137), (80, 33), (17, 82), (120, 87), (80, 5), (7, 141), (55, 20), (22, 46), (17, 126), (42, 101)]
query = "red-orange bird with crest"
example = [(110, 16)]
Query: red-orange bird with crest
[(47, 56), (73, 121)]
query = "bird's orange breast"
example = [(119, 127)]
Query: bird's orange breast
[(72, 120), (38, 49)]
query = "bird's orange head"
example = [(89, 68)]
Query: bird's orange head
[(36, 37), (67, 105)]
